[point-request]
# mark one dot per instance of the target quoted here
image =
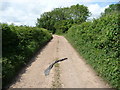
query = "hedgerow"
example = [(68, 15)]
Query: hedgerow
[(98, 42), (19, 43)]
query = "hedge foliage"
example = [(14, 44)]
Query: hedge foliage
[(98, 42), (19, 43)]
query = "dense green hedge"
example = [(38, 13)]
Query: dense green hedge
[(98, 42), (19, 43)]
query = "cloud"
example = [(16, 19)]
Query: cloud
[(4, 6), (20, 13), (47, 1), (26, 12), (96, 10)]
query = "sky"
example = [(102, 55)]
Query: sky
[(26, 12)]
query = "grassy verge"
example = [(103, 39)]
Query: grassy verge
[(57, 83)]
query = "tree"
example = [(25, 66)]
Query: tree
[(79, 13), (58, 18), (63, 26), (45, 21), (113, 8)]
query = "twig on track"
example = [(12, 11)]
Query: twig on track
[(47, 71)]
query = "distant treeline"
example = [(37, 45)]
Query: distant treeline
[(60, 20)]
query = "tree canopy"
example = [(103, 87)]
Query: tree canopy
[(63, 18), (113, 8)]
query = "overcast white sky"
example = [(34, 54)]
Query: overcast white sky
[(26, 12)]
